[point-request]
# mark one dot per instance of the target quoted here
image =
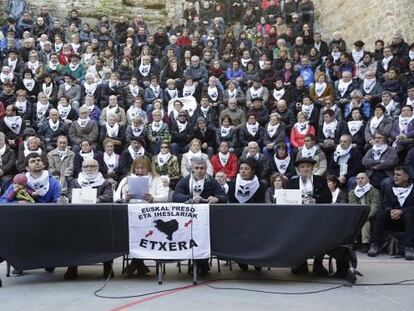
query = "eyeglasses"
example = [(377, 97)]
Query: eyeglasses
[(181, 115), (89, 166), (164, 147)]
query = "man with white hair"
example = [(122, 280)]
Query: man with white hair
[(343, 88), (51, 129), (197, 71), (90, 177)]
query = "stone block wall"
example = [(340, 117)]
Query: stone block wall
[(366, 20)]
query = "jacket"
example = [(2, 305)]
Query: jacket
[(321, 192), (64, 166)]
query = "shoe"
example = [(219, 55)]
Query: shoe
[(319, 269), (17, 272), (131, 268), (258, 269), (108, 272), (364, 248), (409, 253), (301, 269), (142, 269), (373, 250), (71, 273), (243, 267), (203, 269), (50, 270)]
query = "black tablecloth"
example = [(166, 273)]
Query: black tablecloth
[(38, 236)]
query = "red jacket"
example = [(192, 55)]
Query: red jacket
[(297, 139), (231, 166)]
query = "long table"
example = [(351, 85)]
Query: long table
[(51, 235)]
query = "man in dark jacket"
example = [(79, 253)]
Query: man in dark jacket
[(199, 187), (396, 213)]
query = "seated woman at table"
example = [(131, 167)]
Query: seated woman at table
[(90, 177), (277, 181), (246, 189), (338, 196), (158, 192)]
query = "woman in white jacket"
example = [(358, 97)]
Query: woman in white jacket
[(157, 191), (195, 151)]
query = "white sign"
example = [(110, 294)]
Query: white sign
[(169, 231), (288, 196), (84, 195)]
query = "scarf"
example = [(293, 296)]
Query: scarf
[(374, 124), (29, 84), (282, 164), (386, 61), (156, 126), (58, 47), (21, 106), (302, 128), (271, 129), (244, 61), (354, 126), (232, 94), (33, 66), (188, 90), (40, 185), (111, 161), (320, 88), (369, 84), (308, 153), (256, 157), (67, 87), (360, 191), (335, 55), (392, 106), (6, 77), (112, 131), (329, 129), (73, 67), (192, 155), (181, 126), (224, 131), (341, 157), (64, 111), (213, 93), (378, 150), (12, 64), (112, 110), (252, 128), (2, 151), (47, 89), (86, 155), (307, 110), (410, 102), (196, 186), (135, 112), (62, 153), (205, 111), (173, 93), (224, 158), (411, 54), (75, 47), (335, 194), (402, 193), (83, 122), (245, 189), (113, 84), (163, 158), (144, 70), (53, 65), (256, 93), (27, 151), (90, 88), (14, 123), (156, 90), (137, 131), (343, 87), (403, 122), (135, 154), (278, 94), (54, 126), (90, 181), (87, 57), (41, 110), (134, 89), (357, 55)]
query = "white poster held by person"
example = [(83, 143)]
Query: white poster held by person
[(170, 231)]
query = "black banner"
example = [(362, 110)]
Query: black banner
[(39, 236)]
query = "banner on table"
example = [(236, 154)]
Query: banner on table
[(169, 231)]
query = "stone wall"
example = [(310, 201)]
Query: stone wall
[(365, 20)]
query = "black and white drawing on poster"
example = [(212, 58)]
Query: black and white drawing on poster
[(169, 231)]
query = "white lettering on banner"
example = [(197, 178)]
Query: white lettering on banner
[(169, 231)]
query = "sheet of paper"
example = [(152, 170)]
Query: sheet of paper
[(84, 195), (138, 186), (288, 196)]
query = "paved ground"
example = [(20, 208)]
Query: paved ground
[(39, 290)]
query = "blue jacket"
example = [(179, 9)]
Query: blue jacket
[(50, 197)]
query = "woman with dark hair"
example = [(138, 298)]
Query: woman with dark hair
[(338, 196), (277, 182), (30, 85), (227, 132), (281, 161), (165, 163)]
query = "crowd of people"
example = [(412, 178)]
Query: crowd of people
[(235, 100)]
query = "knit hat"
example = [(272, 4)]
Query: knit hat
[(20, 179)]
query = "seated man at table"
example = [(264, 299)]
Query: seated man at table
[(90, 177), (204, 189), (396, 213), (314, 190)]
